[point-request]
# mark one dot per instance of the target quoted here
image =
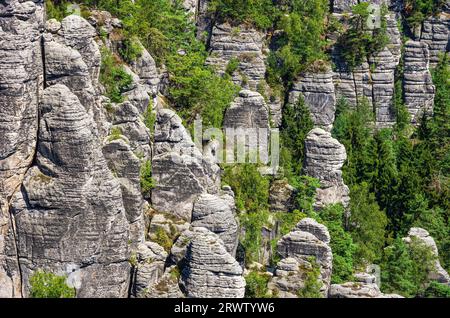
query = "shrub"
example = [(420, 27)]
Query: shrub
[(256, 285), (163, 239), (437, 290), (313, 282), (114, 77), (147, 182), (48, 285)]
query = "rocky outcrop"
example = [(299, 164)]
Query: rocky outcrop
[(435, 33), (210, 270), (69, 214), (340, 6), (324, 159), (317, 90), (373, 80), (282, 196), (439, 274), (126, 168), (215, 214), (242, 45), (181, 173), (289, 277), (248, 110), (149, 268), (417, 82), (308, 242), (358, 290), (21, 85)]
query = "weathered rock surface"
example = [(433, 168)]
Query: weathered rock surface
[(181, 172), (373, 80), (358, 290), (69, 214), (244, 44), (439, 274), (128, 119), (149, 268), (324, 159), (214, 214), (126, 168), (289, 277), (248, 110), (417, 82), (340, 6), (281, 196), (309, 239), (210, 271), (21, 84), (435, 33), (317, 90)]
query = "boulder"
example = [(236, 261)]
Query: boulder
[(358, 290)]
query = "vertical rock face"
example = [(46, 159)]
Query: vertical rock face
[(439, 274), (340, 6), (21, 84), (435, 33), (417, 83), (210, 271), (325, 157), (69, 214), (308, 239), (215, 214), (126, 166), (282, 196), (373, 80), (248, 110), (179, 169), (245, 45), (317, 90)]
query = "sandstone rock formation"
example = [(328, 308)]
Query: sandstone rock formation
[(358, 290), (210, 271), (21, 85), (324, 159), (435, 33), (439, 274), (214, 214), (69, 212), (281, 196), (317, 90), (417, 82), (244, 45), (149, 268), (308, 240), (180, 171)]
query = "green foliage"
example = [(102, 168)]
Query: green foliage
[(288, 220), (416, 11), (296, 124), (130, 49), (406, 267), (48, 285), (260, 13), (301, 42), (56, 9), (437, 290), (253, 223), (256, 285), (367, 224), (250, 188), (116, 133), (232, 66), (113, 76), (312, 281), (147, 182), (341, 243), (162, 238), (150, 119), (359, 42)]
